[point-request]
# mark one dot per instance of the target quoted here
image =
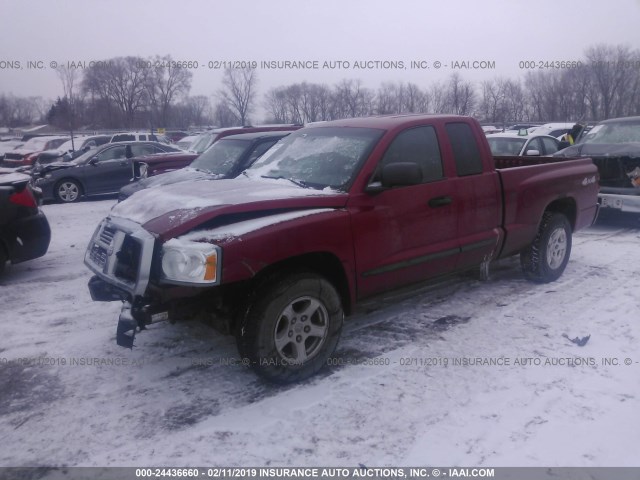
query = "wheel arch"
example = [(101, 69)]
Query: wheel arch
[(567, 207), (322, 263)]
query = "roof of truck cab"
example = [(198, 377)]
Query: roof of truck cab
[(254, 135), (384, 121)]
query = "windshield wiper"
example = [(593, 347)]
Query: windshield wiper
[(299, 183)]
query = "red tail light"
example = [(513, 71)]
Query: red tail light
[(24, 198)]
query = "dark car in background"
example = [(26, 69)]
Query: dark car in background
[(225, 159), (614, 146), (99, 171), (24, 229), (163, 163)]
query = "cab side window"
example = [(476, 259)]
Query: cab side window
[(534, 144), (139, 150), (465, 149), (550, 146), (112, 154), (417, 145)]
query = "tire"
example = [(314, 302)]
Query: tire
[(291, 327), (546, 258), (68, 191)]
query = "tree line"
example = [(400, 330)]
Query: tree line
[(134, 92)]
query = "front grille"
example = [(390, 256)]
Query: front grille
[(120, 252), (128, 260), (106, 235), (98, 256)]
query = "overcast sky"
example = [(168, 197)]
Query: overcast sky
[(501, 31)]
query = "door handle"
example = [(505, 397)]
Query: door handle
[(440, 201)]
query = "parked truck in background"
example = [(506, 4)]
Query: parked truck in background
[(614, 147), (334, 213)]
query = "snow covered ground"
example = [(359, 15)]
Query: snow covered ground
[(468, 373)]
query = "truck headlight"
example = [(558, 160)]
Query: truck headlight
[(191, 263)]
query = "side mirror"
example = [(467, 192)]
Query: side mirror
[(94, 161), (532, 153), (399, 174)]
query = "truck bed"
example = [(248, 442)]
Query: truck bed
[(530, 184)]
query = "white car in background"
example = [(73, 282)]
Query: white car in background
[(555, 130), (71, 149), (519, 144), (139, 137)]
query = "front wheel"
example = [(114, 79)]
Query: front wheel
[(68, 191), (546, 258), (291, 327)]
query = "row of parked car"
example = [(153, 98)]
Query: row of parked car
[(49, 148), (108, 168)]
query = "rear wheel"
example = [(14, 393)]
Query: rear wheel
[(68, 191), (546, 258), (291, 327)]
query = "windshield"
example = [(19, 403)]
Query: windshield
[(202, 143), (85, 156), (501, 146), (222, 157), (615, 132), (317, 157)]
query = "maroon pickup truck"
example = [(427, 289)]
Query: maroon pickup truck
[(334, 213)]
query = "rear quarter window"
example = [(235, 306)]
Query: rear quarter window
[(465, 149)]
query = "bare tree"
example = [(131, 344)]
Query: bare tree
[(223, 116), (607, 66), (166, 81), (239, 92), (121, 82), (460, 95), (275, 103), (67, 111), (352, 99)]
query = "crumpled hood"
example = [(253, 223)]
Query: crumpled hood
[(175, 209), (41, 169)]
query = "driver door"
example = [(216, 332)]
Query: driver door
[(406, 234), (107, 171)]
